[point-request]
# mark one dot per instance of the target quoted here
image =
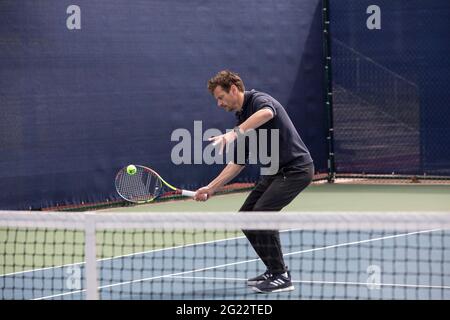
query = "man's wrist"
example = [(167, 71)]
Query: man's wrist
[(238, 131)]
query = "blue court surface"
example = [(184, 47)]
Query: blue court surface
[(324, 265)]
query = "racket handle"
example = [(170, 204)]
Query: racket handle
[(188, 193)]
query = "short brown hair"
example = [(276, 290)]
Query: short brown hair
[(225, 79)]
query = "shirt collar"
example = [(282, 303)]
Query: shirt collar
[(245, 104)]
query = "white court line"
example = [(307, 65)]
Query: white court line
[(152, 278), (240, 262), (129, 255), (121, 256), (361, 241), (345, 283)]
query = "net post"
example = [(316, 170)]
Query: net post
[(90, 254)]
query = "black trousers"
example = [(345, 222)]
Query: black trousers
[(273, 193)]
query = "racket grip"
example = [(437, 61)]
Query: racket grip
[(188, 193)]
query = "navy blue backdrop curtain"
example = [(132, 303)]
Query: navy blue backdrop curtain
[(86, 90), (391, 86)]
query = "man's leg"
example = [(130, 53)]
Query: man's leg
[(284, 187), (256, 193), (248, 205)]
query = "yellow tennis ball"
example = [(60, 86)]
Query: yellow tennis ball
[(131, 169)]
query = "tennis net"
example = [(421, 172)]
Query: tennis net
[(177, 256)]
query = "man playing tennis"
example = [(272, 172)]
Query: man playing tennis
[(255, 111)]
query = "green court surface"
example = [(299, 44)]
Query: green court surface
[(328, 197)]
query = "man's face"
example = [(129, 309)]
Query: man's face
[(227, 100)]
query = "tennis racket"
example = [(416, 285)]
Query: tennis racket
[(144, 186)]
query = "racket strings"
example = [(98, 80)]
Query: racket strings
[(141, 186)]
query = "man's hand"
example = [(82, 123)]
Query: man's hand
[(223, 140), (203, 194)]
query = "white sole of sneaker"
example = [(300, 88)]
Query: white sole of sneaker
[(274, 291)]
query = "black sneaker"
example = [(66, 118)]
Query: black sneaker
[(258, 279), (275, 283)]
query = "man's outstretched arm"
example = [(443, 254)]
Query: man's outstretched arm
[(227, 174)]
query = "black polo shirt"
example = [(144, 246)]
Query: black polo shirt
[(292, 150)]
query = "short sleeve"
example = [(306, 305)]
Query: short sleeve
[(262, 102)]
